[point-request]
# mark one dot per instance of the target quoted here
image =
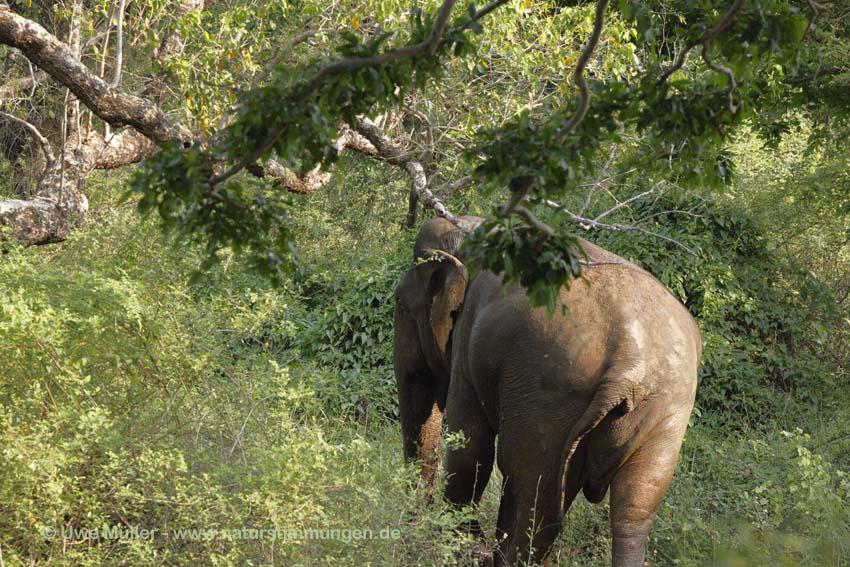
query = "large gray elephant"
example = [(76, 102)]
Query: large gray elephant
[(595, 398)]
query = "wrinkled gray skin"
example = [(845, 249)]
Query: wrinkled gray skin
[(595, 399)]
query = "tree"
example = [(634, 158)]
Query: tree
[(619, 85)]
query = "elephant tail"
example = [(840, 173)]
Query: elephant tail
[(608, 397)]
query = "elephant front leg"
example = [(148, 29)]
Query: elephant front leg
[(421, 422), (469, 461)]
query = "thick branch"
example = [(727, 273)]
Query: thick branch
[(392, 153), (110, 104), (314, 179)]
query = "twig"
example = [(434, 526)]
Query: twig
[(724, 23), (595, 185), (519, 194), (587, 224), (670, 212), (813, 6), (455, 185), (595, 263), (628, 201), (578, 75), (45, 145), (547, 230), (483, 12), (819, 72)]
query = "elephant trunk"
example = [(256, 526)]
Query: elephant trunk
[(419, 413)]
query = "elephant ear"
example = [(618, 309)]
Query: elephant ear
[(445, 279)]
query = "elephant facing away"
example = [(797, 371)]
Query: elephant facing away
[(593, 400)]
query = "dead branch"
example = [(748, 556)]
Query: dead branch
[(392, 153), (629, 201), (588, 224), (45, 145)]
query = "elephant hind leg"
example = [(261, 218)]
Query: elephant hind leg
[(639, 487)]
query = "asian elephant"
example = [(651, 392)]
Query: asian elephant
[(593, 399)]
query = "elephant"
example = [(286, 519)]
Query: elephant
[(591, 399)]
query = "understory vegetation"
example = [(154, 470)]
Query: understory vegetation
[(132, 394)]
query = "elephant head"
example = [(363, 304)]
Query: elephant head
[(427, 300)]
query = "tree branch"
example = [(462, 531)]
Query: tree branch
[(628, 201), (724, 23), (483, 13), (456, 185), (578, 75), (348, 64), (813, 6), (394, 154), (119, 44), (823, 72), (717, 68), (110, 104), (45, 145), (428, 47), (13, 87), (588, 224)]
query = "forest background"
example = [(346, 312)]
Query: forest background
[(164, 369)]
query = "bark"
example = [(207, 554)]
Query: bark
[(314, 179), (369, 140), (59, 205), (112, 105)]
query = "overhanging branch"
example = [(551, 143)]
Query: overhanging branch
[(730, 16), (110, 104), (578, 75)]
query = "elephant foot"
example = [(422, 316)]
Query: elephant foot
[(475, 555)]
